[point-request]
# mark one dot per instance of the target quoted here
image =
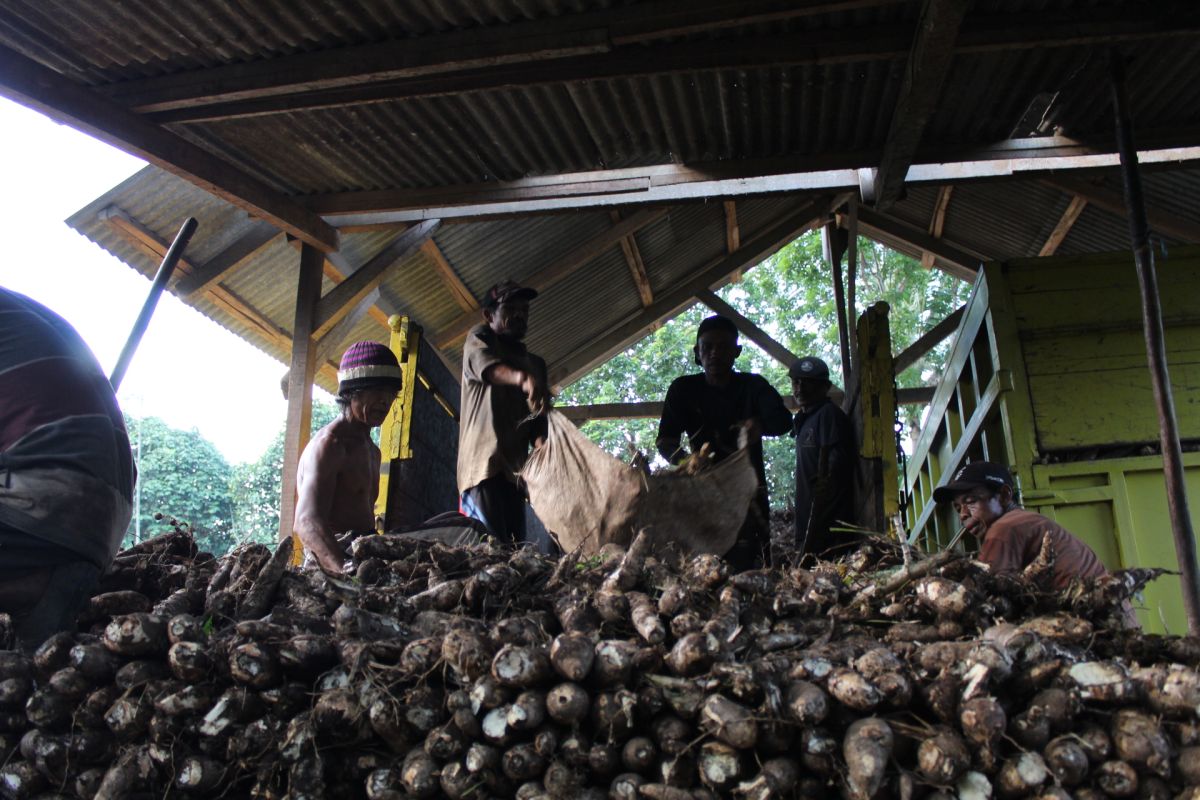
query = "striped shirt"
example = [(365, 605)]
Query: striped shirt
[(61, 431)]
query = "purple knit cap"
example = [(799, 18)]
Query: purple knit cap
[(366, 365)]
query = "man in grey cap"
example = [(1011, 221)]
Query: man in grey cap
[(826, 461), (504, 402)]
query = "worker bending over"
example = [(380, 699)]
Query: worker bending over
[(714, 407), (504, 403), (337, 481), (66, 470), (1010, 537), (826, 461)]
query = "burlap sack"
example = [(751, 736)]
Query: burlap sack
[(587, 498)]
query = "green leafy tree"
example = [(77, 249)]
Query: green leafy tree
[(257, 485), (182, 476), (790, 296)]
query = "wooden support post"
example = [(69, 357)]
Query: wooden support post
[(300, 381), (1156, 354), (852, 284), (833, 253), (938, 223)]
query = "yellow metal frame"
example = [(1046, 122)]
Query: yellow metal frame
[(394, 439), (877, 393)]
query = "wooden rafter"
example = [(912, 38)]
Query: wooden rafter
[(359, 283), (676, 182), (925, 73), (563, 267), (1065, 223), (927, 341), (633, 259), (458, 290), (733, 237), (591, 47), (683, 294), (228, 261), (950, 257), (748, 329), (63, 100), (938, 222), (1114, 202)]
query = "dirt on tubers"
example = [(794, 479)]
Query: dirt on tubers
[(483, 672)]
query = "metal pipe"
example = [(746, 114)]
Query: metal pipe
[(1156, 352), (165, 269)]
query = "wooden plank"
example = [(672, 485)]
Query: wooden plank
[(708, 276), (44, 90), (587, 413), (154, 247), (436, 69), (633, 259), (228, 261), (544, 278), (359, 283), (938, 222), (1113, 202), (300, 381), (915, 396), (458, 290), (748, 329), (924, 75), (950, 257), (927, 341), (328, 343), (1065, 223), (732, 234), (534, 42)]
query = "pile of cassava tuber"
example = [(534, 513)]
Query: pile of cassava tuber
[(435, 671)]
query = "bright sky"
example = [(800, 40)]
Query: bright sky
[(188, 370)]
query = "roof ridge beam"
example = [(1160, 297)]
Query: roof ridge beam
[(29, 83), (546, 277), (924, 76)]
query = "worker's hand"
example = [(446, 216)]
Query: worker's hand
[(536, 393), (753, 428), (538, 442)]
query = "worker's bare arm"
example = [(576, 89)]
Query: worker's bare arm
[(320, 465), (529, 382)]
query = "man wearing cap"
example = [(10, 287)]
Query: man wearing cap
[(1010, 537), (338, 477), (826, 460), (504, 401), (713, 408)]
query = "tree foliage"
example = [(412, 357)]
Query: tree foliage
[(790, 296), (182, 476)]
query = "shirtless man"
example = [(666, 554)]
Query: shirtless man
[(338, 478)]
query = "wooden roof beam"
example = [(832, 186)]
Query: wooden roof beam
[(229, 260), (1113, 202), (949, 257), (445, 270), (748, 329), (63, 100), (582, 48), (341, 298), (563, 267), (1065, 223), (938, 223), (683, 294), (637, 268), (672, 183), (924, 75)]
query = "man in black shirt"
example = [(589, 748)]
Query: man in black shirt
[(826, 459), (712, 408)]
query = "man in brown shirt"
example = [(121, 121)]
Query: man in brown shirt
[(504, 401), (1011, 537)]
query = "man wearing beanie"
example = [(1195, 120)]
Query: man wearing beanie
[(338, 477), (713, 408), (504, 401)]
